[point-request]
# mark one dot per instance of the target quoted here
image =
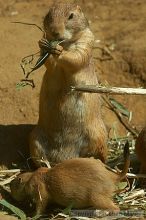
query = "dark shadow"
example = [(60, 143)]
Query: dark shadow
[(14, 148)]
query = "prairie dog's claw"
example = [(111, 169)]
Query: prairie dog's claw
[(50, 46), (58, 50)]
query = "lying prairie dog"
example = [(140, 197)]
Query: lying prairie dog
[(70, 124), (82, 182), (140, 148)]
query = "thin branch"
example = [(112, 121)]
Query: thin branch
[(25, 23), (109, 90), (29, 82), (28, 56), (136, 176), (23, 69), (105, 50), (124, 122)]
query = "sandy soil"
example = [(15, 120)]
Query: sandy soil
[(119, 24)]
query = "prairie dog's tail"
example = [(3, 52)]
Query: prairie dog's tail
[(126, 155)]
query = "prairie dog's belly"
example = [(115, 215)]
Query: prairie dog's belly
[(61, 108), (64, 117)]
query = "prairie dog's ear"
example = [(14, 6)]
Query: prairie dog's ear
[(78, 8)]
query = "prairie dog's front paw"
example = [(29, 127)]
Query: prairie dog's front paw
[(58, 50), (52, 46)]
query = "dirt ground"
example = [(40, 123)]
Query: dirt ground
[(119, 24)]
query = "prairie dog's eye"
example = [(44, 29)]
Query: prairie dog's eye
[(19, 179), (71, 16)]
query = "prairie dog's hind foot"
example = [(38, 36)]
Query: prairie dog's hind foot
[(38, 142)]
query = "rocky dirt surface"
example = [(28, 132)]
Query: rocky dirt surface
[(7, 217)]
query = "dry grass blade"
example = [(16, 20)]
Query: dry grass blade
[(135, 194), (8, 180), (46, 162), (10, 171)]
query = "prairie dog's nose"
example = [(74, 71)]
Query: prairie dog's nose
[(56, 34), (57, 30)]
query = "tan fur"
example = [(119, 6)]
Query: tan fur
[(70, 123), (82, 182), (140, 148)]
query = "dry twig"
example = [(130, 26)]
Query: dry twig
[(109, 90)]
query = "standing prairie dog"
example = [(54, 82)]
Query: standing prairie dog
[(140, 148), (82, 182), (70, 124)]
